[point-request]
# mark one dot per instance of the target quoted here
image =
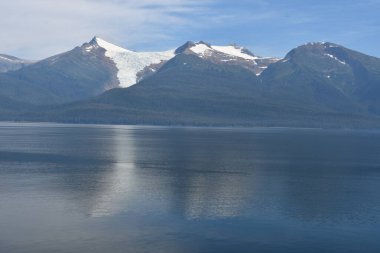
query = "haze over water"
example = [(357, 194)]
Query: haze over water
[(90, 188)]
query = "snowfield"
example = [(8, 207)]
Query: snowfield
[(130, 63)]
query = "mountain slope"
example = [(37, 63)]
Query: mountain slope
[(187, 89)]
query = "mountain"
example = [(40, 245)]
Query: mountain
[(185, 90), (78, 74), (11, 63), (315, 85), (309, 87), (327, 76), (70, 76), (98, 66)]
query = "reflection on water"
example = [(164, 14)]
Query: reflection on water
[(199, 189), (187, 189), (120, 182)]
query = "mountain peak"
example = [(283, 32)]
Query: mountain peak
[(94, 40), (320, 44), (107, 45), (318, 54), (184, 47), (316, 48)]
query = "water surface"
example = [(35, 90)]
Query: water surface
[(89, 188)]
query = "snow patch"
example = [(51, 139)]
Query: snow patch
[(89, 48), (333, 57), (234, 51), (15, 60), (110, 47), (200, 49), (262, 70), (4, 58)]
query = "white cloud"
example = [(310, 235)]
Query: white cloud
[(40, 28)]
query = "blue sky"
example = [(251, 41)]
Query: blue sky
[(270, 28)]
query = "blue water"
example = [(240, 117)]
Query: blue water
[(89, 188)]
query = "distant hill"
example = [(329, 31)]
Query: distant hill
[(11, 63)]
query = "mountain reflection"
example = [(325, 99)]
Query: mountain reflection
[(202, 173), (215, 174)]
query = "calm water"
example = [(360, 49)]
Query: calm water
[(66, 188)]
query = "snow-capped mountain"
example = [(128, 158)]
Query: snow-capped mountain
[(133, 67), (229, 55), (10, 63)]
